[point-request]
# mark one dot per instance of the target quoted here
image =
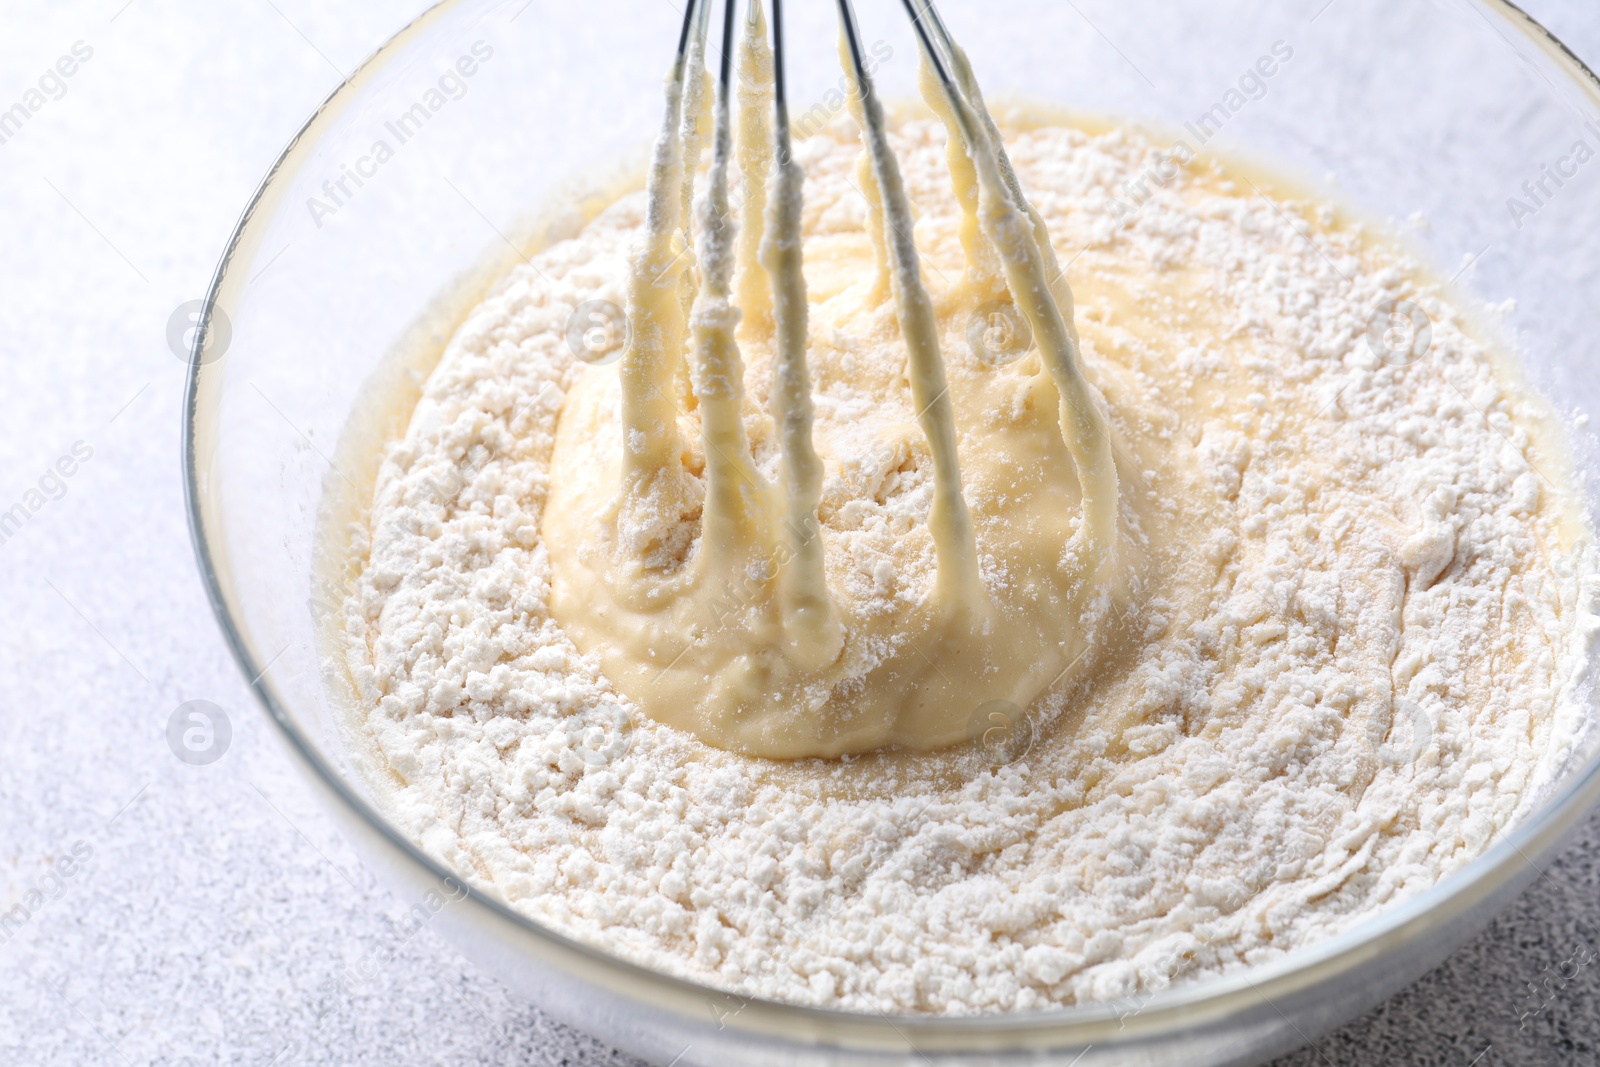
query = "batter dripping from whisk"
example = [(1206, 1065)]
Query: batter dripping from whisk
[(1274, 626), (644, 558)]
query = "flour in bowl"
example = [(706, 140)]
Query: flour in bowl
[(1364, 600)]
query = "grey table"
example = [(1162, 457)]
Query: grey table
[(209, 910)]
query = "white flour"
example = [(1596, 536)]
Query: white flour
[(1366, 676)]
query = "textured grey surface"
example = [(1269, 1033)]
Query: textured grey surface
[(210, 911)]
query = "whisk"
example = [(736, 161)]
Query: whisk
[(775, 671)]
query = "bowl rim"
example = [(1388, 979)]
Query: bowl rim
[(1511, 863)]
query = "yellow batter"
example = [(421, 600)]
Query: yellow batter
[(708, 602)]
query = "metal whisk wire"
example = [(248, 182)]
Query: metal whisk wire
[(1015, 230), (705, 546)]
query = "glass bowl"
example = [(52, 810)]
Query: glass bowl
[(352, 265)]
